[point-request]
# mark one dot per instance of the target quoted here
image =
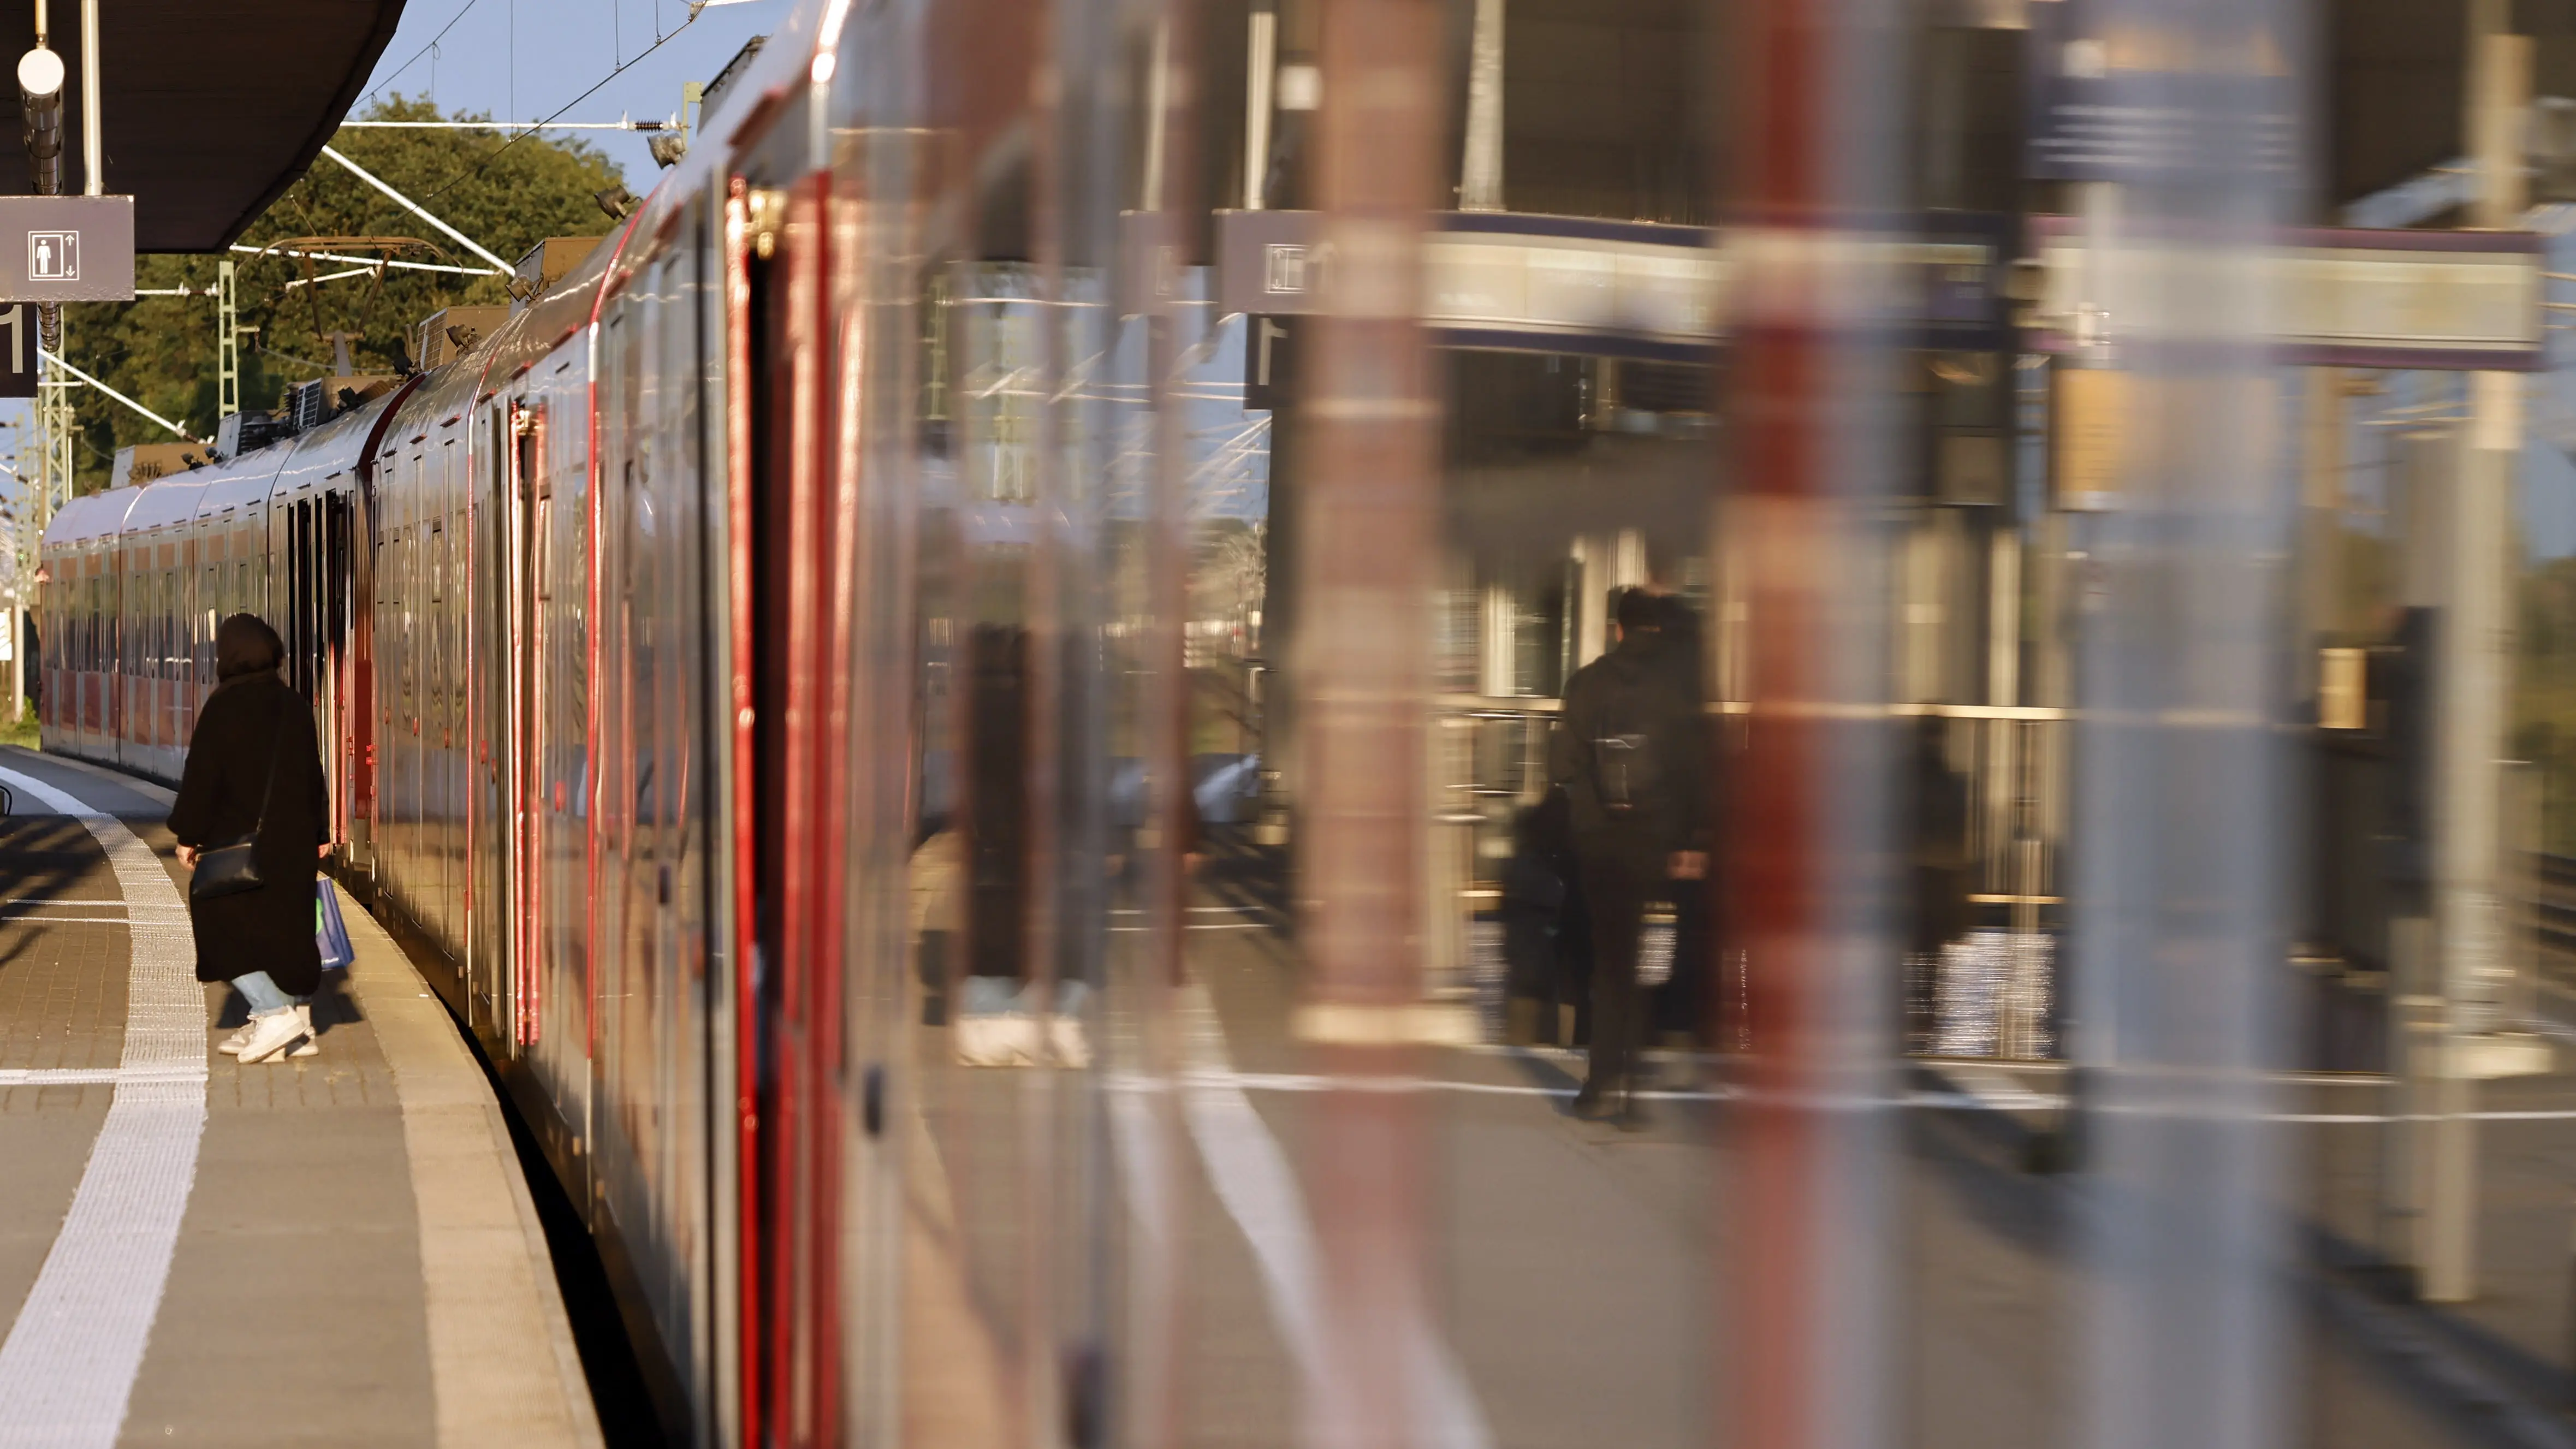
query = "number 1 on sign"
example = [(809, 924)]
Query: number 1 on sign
[(19, 378)]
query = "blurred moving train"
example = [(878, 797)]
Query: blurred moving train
[(817, 510), (826, 518)]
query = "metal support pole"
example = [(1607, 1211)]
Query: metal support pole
[(1261, 67), (93, 143), (2175, 902), (1365, 564), (2473, 675), (227, 343), (1480, 170), (1813, 1164)]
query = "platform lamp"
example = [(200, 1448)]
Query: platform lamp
[(40, 95)]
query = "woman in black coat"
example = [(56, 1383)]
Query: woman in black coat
[(259, 940)]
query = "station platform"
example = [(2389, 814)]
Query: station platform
[(333, 1250)]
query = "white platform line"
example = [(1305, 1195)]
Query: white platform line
[(7, 920), (1295, 1082), (95, 1076), (68, 1366), (1253, 1178)]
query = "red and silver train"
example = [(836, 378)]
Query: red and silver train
[(808, 580), (608, 626), (804, 576)]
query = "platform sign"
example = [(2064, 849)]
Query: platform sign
[(1521, 281), (2333, 297), (1269, 362), (2115, 95), (66, 248), (18, 350)]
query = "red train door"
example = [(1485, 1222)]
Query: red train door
[(787, 825), (519, 740)]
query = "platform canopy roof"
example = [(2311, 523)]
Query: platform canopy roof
[(210, 110)]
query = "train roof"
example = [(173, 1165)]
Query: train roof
[(786, 59), (91, 517), (323, 453), (555, 318), (171, 498), (242, 482), (445, 395)]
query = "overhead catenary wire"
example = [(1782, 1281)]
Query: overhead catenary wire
[(364, 271), (416, 208), (470, 172), (371, 261), (424, 50), (617, 125), (120, 397)]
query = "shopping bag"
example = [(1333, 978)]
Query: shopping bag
[(330, 933), (1658, 937)]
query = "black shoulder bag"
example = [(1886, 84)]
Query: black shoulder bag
[(232, 868)]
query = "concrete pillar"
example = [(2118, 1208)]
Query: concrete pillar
[(2473, 674), (1480, 170)]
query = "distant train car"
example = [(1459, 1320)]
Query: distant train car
[(137, 577)]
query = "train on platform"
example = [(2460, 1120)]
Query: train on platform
[(605, 626), (838, 525)]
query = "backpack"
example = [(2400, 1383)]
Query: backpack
[(1626, 768)]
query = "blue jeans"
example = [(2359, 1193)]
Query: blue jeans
[(266, 998)]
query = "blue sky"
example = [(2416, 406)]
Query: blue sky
[(523, 60)]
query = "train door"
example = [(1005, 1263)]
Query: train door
[(559, 753), (402, 747), (523, 518), (129, 719), (111, 664), (437, 673), (358, 740), (108, 723), (333, 657), (492, 912), (788, 842)]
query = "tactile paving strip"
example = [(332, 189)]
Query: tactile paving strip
[(68, 1366)]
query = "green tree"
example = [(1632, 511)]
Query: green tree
[(162, 350)]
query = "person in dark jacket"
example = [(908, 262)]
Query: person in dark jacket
[(1937, 874), (252, 727), (1629, 750), (1536, 881), (1685, 1007)]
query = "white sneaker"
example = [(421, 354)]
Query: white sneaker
[(231, 1046), (270, 1036), (311, 1046), (1072, 1047)]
